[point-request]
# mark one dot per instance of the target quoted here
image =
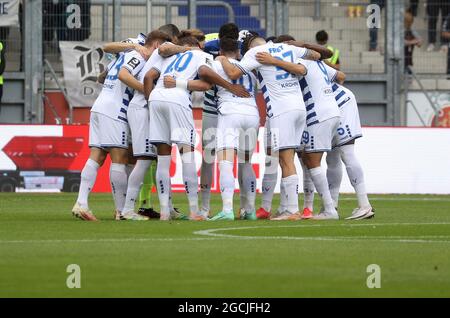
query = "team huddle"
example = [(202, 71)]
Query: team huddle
[(145, 107)]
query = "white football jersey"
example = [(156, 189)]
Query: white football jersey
[(228, 103), (154, 61), (317, 93), (342, 94), (280, 88), (182, 66), (115, 96)]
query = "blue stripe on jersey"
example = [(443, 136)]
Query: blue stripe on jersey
[(307, 96), (267, 99), (123, 110), (209, 96), (313, 114), (122, 118), (209, 104), (335, 87), (310, 107), (303, 83), (260, 78), (209, 112), (264, 89), (313, 123), (340, 95), (125, 102), (344, 101)]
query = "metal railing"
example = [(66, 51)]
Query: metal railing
[(149, 4)]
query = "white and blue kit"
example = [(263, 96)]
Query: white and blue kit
[(238, 117), (171, 116), (350, 124), (322, 112), (108, 122), (285, 111), (138, 114)]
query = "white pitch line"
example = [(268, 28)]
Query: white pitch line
[(402, 239), (399, 199)]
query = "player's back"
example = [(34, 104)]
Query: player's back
[(342, 94), (182, 67), (115, 95), (248, 80), (280, 88), (317, 92)]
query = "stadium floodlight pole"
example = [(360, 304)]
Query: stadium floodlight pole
[(117, 20), (192, 18)]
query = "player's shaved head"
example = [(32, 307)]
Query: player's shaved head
[(171, 30), (257, 41), (188, 41), (157, 36), (284, 38)]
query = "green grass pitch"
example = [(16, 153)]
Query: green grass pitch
[(409, 239)]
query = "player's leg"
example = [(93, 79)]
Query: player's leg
[(270, 177), (209, 127), (118, 177), (96, 159), (334, 174), (248, 138), (308, 191), (183, 134), (159, 133), (356, 176)]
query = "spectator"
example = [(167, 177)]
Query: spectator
[(433, 9), (373, 32), (412, 39), (322, 39), (446, 35), (2, 69)]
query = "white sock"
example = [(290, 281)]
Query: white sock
[(163, 182), (355, 174), (320, 182), (135, 181), (334, 174), (88, 176), (190, 180), (242, 195), (308, 188), (283, 199), (226, 184), (206, 177), (119, 181), (129, 168), (248, 190), (291, 189), (269, 182)]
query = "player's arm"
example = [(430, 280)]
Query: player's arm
[(314, 52), (149, 81), (102, 76), (212, 77), (191, 85), (169, 49), (129, 80), (336, 66), (266, 58), (340, 77), (119, 47), (232, 71)]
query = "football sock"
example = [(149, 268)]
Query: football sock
[(146, 189), (269, 182), (248, 186), (319, 179), (119, 182), (355, 174), (190, 180), (334, 174), (163, 183), (88, 176), (129, 168), (283, 202), (135, 181), (291, 189), (308, 188), (226, 184), (206, 176), (242, 192)]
